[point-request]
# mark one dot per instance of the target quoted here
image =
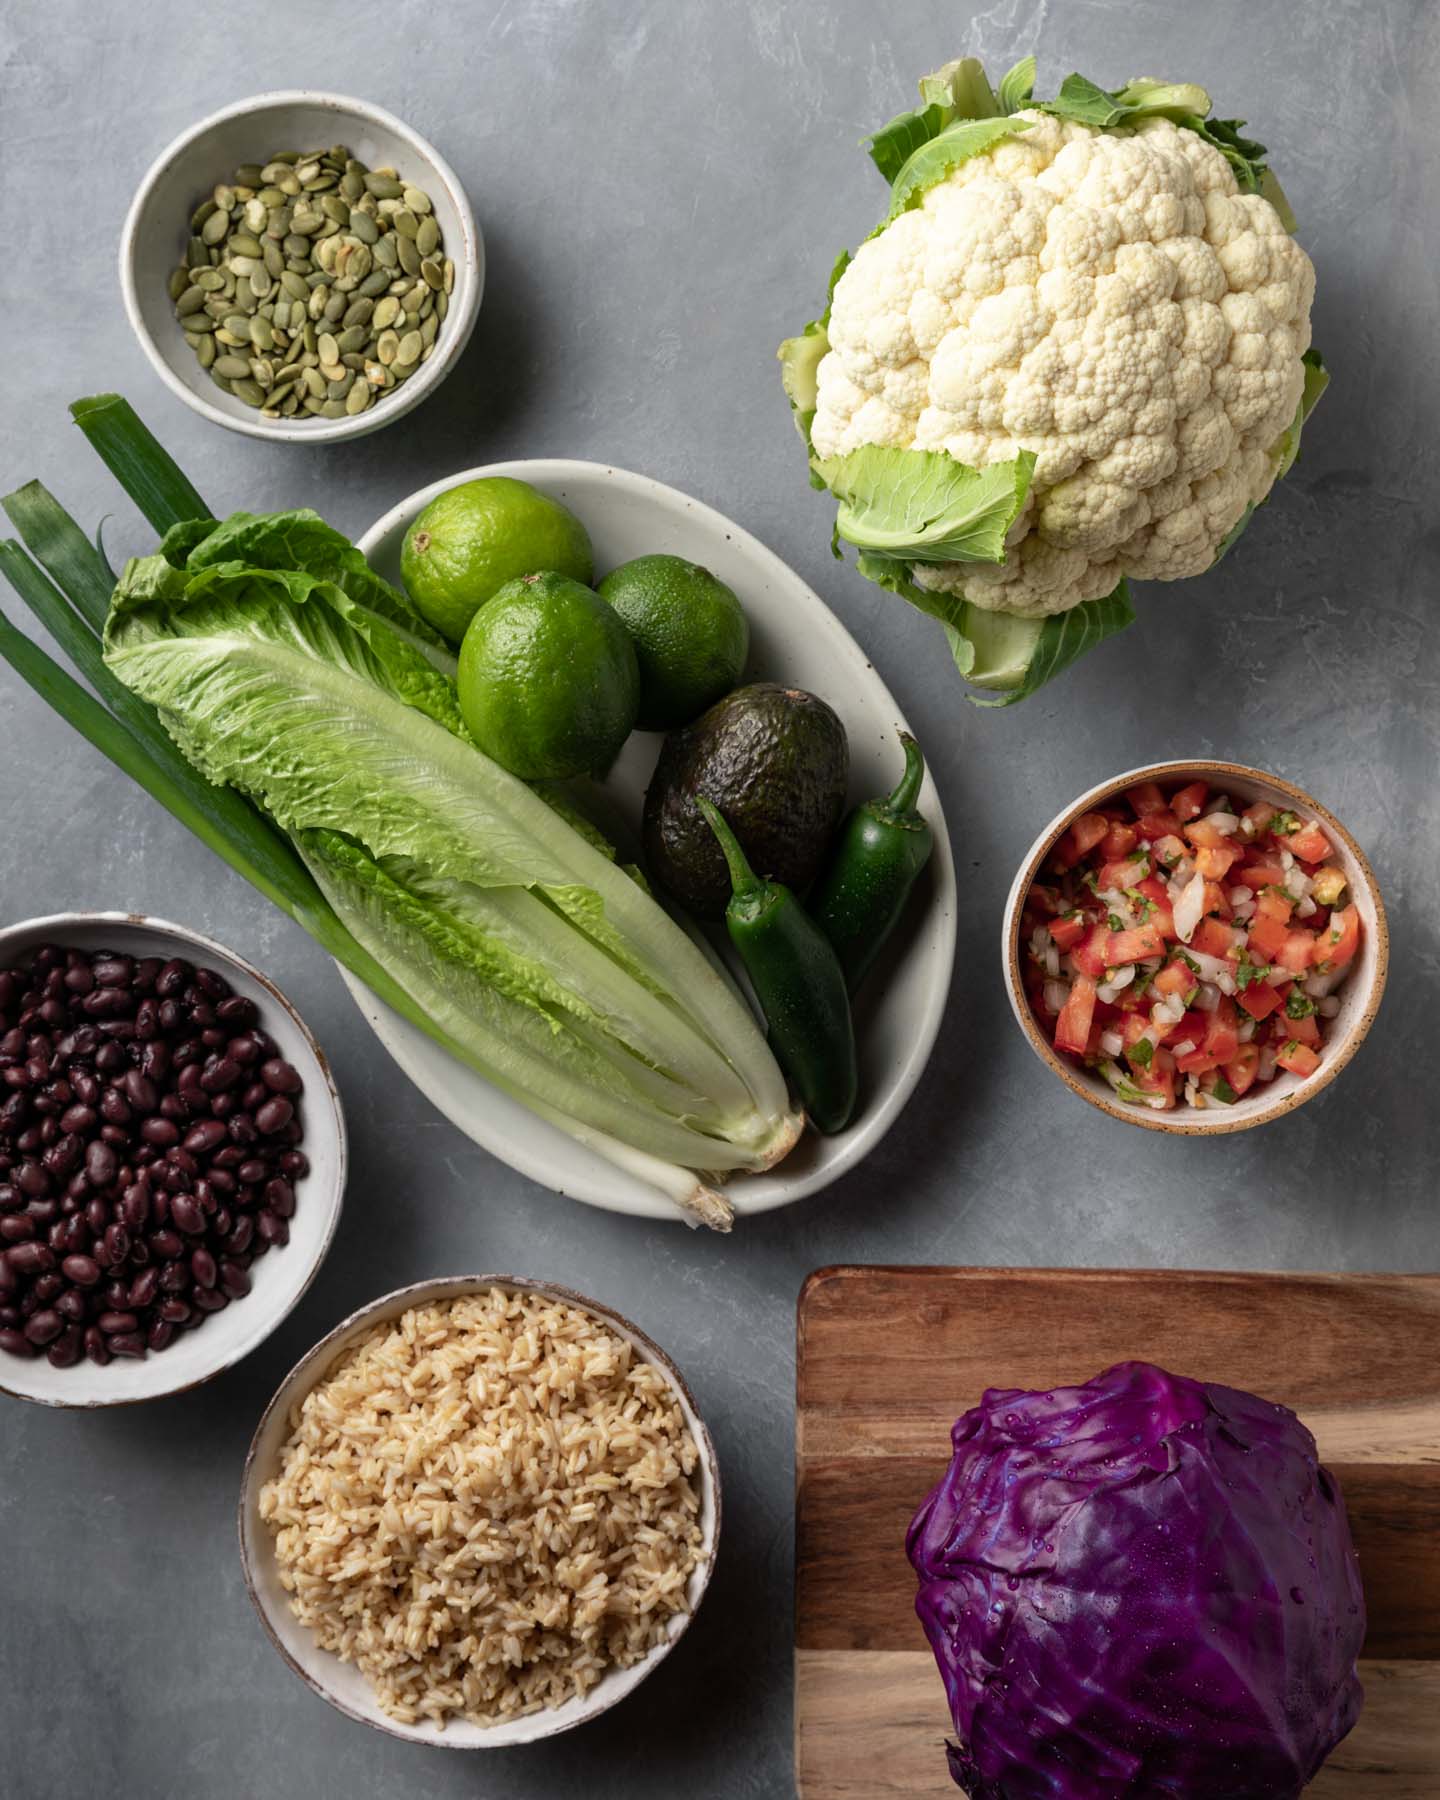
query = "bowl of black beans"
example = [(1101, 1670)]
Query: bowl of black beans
[(172, 1159)]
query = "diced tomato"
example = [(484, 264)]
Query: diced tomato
[(1310, 843), (1297, 953), (1198, 1062), (1268, 936), (1089, 953), (1213, 939), (1167, 851), (1158, 1079), (1118, 841), (1341, 939), (1175, 978), (1117, 875), (1154, 890), (1216, 861), (1068, 930), (1305, 1031), (1206, 836), (1146, 798), (1272, 904), (1132, 999), (1189, 802), (1072, 1028), (1153, 826), (1134, 946), (1258, 875), (1240, 1070), (1043, 900), (1260, 1000), (1298, 1058), (1081, 839), (1222, 1038), (1259, 816), (1215, 901)]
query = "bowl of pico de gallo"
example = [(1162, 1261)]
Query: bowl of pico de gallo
[(1195, 947)]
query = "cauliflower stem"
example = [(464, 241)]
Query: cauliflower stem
[(1075, 350)]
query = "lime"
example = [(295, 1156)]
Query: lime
[(548, 679), (690, 636), (473, 538)]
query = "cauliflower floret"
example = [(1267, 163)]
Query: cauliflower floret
[(1110, 301)]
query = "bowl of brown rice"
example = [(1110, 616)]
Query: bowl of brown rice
[(479, 1512)]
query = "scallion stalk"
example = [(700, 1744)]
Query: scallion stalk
[(138, 461)]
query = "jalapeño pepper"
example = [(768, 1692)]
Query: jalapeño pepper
[(880, 850), (798, 981)]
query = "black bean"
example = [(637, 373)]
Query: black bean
[(15, 1343), (78, 978), (32, 1180), (208, 1300), (241, 1128), (113, 1323), (113, 971), (117, 1244), (187, 1214), (162, 1133), (238, 1240), (166, 1244), (68, 1348), (110, 1059), (155, 1059), (30, 1259), (255, 1095), (135, 1206), (174, 1312), (140, 1091), (280, 1076), (272, 1228), (274, 1115), (234, 1280), (126, 1343), (97, 1346), (73, 1305), (144, 1288), (171, 1017), (160, 1335), (147, 1019), (17, 1228), (244, 1050), (100, 1162), (115, 1295), (83, 1271), (41, 1327), (217, 1076), (174, 978), (202, 1267), (174, 1278), (11, 1199)]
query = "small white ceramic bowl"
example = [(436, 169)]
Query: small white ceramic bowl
[(156, 228), (1359, 995), (341, 1683), (281, 1276)]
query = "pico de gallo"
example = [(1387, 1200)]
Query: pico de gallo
[(1188, 948)]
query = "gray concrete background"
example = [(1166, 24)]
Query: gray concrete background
[(663, 188)]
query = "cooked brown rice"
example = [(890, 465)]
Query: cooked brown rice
[(484, 1505)]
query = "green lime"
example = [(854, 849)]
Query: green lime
[(690, 636), (472, 539), (548, 679)]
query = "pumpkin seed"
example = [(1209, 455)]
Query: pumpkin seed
[(205, 351), (417, 200), (209, 281), (427, 237), (214, 227), (449, 276), (383, 186), (262, 336), (196, 325), (294, 285), (262, 371), (410, 347), (387, 347), (403, 370), (428, 328), (232, 366), (335, 308), (408, 255), (358, 398), (405, 221)]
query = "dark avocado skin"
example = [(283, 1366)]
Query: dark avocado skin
[(776, 763)]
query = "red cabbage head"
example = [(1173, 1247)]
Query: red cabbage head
[(1139, 1589)]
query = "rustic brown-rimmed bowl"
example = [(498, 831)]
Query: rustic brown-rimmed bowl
[(279, 1278), (341, 1683), (1359, 995)]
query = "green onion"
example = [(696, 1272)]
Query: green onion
[(138, 461), (63, 551)]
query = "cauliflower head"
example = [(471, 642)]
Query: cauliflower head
[(1110, 301)]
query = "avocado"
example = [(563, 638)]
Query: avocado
[(775, 761)]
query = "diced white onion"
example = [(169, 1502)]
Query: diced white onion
[(1238, 896), (1111, 1042), (1297, 883), (1247, 1029), (1184, 1047), (1122, 978), (1039, 942), (1052, 960), (1190, 908), (1192, 1091), (1207, 997), (1287, 861), (1245, 911), (1307, 908), (1212, 968), (1328, 1007), (1319, 986), (1265, 1068), (1055, 994), (1275, 976), (1225, 822)]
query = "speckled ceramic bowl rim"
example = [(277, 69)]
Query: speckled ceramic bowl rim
[(469, 274), (1215, 1123), (56, 925), (317, 1361)]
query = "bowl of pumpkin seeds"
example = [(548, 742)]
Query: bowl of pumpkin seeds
[(301, 266)]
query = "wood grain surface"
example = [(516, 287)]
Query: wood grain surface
[(888, 1358)]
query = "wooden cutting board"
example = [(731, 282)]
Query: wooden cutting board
[(888, 1358)]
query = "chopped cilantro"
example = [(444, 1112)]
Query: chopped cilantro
[(1289, 1045), (1141, 1053), (1223, 1092), (1285, 824), (1189, 961), (1143, 901), (1091, 880), (1248, 973), (1299, 1005), (1116, 922)]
